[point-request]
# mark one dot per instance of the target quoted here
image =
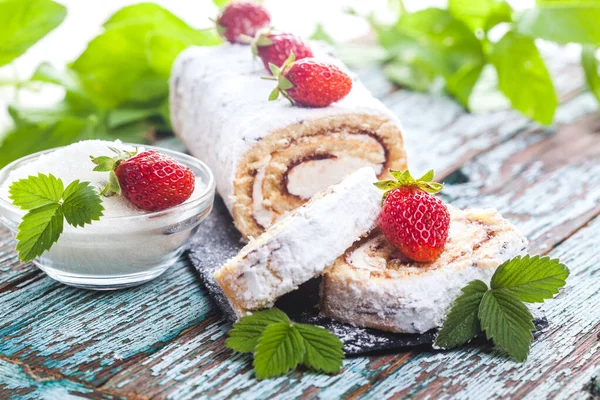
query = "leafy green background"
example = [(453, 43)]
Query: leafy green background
[(118, 86)]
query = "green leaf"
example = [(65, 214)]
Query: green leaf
[(428, 176), (481, 14), (163, 48), (386, 185), (530, 279), (589, 62), (82, 204), (523, 77), (103, 163), (221, 3), (115, 67), (430, 43), (274, 95), (322, 35), (507, 322), (285, 83), (114, 186), (36, 191), (39, 230), (24, 22), (323, 350), (245, 333), (27, 139), (562, 22), (414, 74), (462, 322), (461, 84), (279, 349)]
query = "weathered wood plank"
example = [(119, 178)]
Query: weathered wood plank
[(530, 178), (546, 182), (91, 335), (22, 382)]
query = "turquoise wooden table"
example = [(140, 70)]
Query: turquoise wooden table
[(165, 339)]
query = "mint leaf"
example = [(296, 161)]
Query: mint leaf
[(431, 43), (323, 350), (49, 204), (39, 230), (245, 333), (322, 35), (115, 67), (36, 191), (589, 62), (481, 14), (462, 322), (415, 73), (81, 204), (519, 63), (562, 22), (279, 349), (530, 279), (507, 322), (24, 22), (163, 48), (27, 139)]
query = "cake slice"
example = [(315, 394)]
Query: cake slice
[(302, 244), (373, 285)]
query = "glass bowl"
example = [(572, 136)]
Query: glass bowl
[(123, 251)]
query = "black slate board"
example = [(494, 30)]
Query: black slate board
[(218, 240)]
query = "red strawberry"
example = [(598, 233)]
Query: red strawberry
[(150, 180), (242, 18), (413, 220), (275, 48), (310, 82)]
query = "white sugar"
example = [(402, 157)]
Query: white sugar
[(73, 162)]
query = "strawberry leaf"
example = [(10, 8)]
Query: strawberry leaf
[(36, 191), (323, 350), (246, 332), (462, 322), (39, 230), (279, 349), (507, 322), (530, 279), (81, 204)]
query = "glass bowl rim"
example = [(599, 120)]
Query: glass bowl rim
[(186, 159)]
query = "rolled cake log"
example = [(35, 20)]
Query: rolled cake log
[(373, 285), (270, 157), (301, 245)]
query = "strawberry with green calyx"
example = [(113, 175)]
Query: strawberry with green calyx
[(242, 19), (152, 181), (275, 48), (411, 218), (309, 82)]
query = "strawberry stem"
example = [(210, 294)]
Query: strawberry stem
[(404, 178)]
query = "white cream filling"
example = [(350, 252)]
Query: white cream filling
[(310, 177)]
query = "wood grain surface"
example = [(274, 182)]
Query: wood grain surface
[(165, 339)]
